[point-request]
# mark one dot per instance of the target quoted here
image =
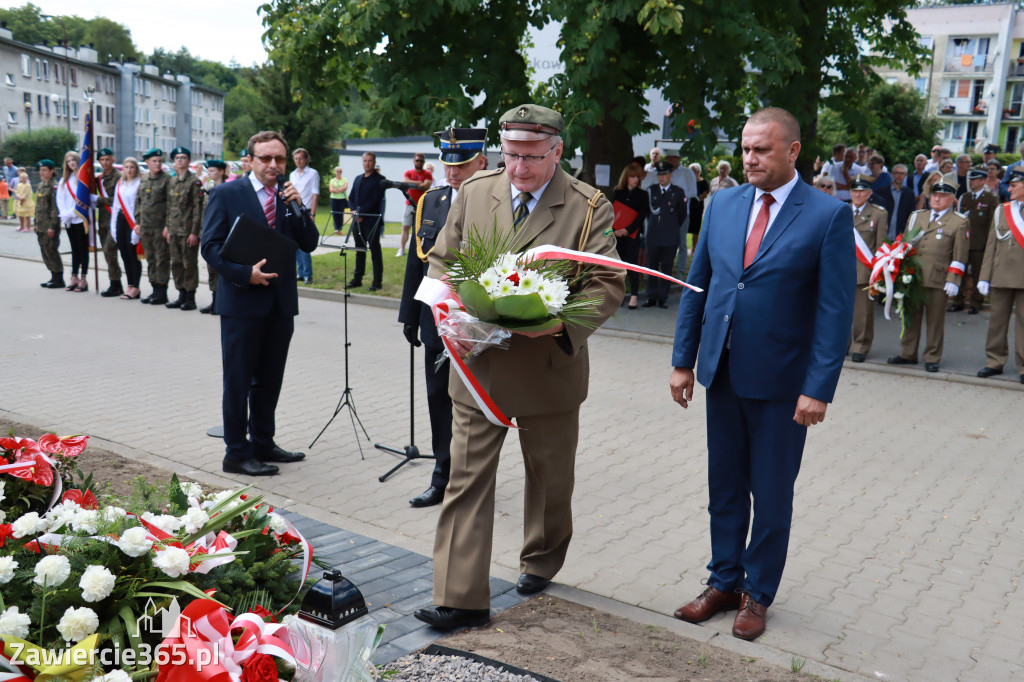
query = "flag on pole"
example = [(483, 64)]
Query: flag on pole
[(86, 175)]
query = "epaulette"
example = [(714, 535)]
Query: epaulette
[(962, 215), (586, 190), (480, 175)]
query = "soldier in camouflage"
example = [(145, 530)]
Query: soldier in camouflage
[(150, 216), (184, 224), (48, 224), (106, 182)]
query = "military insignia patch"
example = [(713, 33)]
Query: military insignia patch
[(608, 232)]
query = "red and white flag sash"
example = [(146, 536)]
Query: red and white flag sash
[(864, 254), (1014, 223), (127, 215), (103, 191)]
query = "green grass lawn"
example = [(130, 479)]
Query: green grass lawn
[(329, 272)]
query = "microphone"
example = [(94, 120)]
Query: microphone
[(294, 205), (392, 184)]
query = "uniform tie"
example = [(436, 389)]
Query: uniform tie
[(935, 217), (270, 207), (522, 210), (757, 233)]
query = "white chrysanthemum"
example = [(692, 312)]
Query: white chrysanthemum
[(529, 282), (77, 624), (278, 524), (164, 522), (97, 583), (506, 288), (489, 279), (13, 623), (86, 521), (907, 279), (553, 293), (114, 676), (113, 514), (506, 264), (52, 570), (7, 566), (135, 541), (28, 524), (174, 561), (194, 519)]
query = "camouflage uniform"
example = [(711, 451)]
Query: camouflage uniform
[(47, 218), (150, 216), (104, 200), (185, 217)]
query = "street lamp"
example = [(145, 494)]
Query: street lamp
[(28, 114)]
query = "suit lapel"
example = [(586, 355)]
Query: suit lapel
[(740, 219), (787, 214)]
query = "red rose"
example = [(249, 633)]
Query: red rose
[(260, 668), (264, 614), (5, 532), (69, 446)]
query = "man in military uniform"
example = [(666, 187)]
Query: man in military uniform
[(942, 247), (151, 217), (105, 184), (462, 156), (218, 172), (48, 224), (1002, 277), (662, 239), (541, 380), (978, 205), (184, 225), (870, 224)]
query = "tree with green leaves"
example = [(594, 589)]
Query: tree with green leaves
[(201, 71), (45, 143), (111, 40)]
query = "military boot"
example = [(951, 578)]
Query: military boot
[(182, 297), (206, 310), (113, 290), (190, 301), (56, 281), (159, 296)]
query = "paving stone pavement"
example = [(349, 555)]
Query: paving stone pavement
[(907, 551)]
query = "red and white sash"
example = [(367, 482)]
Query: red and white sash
[(120, 201), (864, 254), (103, 191), (1013, 220)]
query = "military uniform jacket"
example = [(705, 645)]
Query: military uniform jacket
[(873, 226), (151, 205), (105, 199), (1003, 265), (941, 244), (431, 214), (668, 211), (535, 375), (47, 216), (979, 214), (185, 205)]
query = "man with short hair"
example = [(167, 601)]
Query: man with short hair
[(933, 163), (307, 180), (989, 153), (978, 205), (184, 226), (246, 161), (655, 155), (48, 224), (916, 179), (256, 320), (838, 154), (422, 179), (958, 178), (897, 199), (105, 184), (366, 199), (151, 217), (663, 235), (870, 223), (462, 153), (844, 173), (942, 246), (541, 379)]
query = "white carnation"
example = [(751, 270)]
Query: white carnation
[(164, 522), (194, 519), (898, 295), (278, 524), (61, 514), (52, 570), (7, 566), (907, 279), (28, 524), (220, 497), (13, 623), (114, 676), (86, 521), (2, 485), (97, 583), (191, 489), (3, 515), (135, 541), (113, 514), (174, 561), (77, 624)]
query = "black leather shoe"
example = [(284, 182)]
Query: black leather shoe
[(531, 584), (1022, 378), (931, 367), (447, 618), (900, 360), (649, 304), (278, 454), (376, 286), (178, 302), (986, 372), (354, 284), (113, 290), (308, 281), (249, 467), (428, 498), (148, 299), (859, 357), (954, 308), (973, 310), (55, 283), (663, 305)]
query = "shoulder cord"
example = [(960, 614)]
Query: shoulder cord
[(588, 223), (416, 230)]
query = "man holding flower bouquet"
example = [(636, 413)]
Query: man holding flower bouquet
[(541, 379)]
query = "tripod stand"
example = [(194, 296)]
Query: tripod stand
[(410, 452)]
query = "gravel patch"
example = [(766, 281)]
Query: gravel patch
[(431, 667)]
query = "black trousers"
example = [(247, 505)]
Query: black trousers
[(79, 248), (129, 254), (439, 404), (338, 207), (254, 352), (367, 234), (659, 258), (629, 251)]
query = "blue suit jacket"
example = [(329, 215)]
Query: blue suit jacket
[(790, 312), (235, 296)]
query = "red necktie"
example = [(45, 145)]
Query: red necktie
[(757, 233), (270, 207)]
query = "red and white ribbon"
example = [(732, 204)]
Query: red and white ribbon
[(10, 672), (864, 254), (307, 552), (550, 252), (1013, 221), (957, 268), (886, 264)]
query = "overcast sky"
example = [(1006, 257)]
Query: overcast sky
[(218, 31)]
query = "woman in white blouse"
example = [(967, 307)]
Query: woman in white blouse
[(122, 223), (70, 219)]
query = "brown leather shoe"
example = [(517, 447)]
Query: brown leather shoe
[(710, 602), (749, 623)]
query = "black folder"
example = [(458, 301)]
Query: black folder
[(249, 242)]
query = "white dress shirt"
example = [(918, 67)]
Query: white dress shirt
[(780, 195)]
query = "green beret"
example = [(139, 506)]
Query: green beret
[(530, 122), (217, 163), (244, 153), (181, 150), (46, 163), (155, 151), (105, 151)]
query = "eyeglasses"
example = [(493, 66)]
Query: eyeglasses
[(529, 160), (267, 159)]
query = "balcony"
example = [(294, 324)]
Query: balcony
[(962, 107), (1012, 113), (1016, 70), (968, 63)]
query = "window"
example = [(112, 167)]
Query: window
[(39, 104), (174, 94), (959, 89), (26, 66), (74, 76), (163, 92), (12, 117), (149, 89), (46, 105), (955, 130), (922, 86), (927, 42), (9, 79), (74, 110), (46, 71), (65, 107), (147, 117), (39, 69)]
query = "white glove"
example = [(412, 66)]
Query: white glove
[(983, 288), (951, 289)]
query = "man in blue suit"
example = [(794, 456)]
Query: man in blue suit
[(776, 262), (257, 309)]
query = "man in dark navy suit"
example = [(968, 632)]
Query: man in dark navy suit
[(776, 262), (257, 309)]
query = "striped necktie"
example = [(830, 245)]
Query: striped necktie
[(522, 210), (270, 206)]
